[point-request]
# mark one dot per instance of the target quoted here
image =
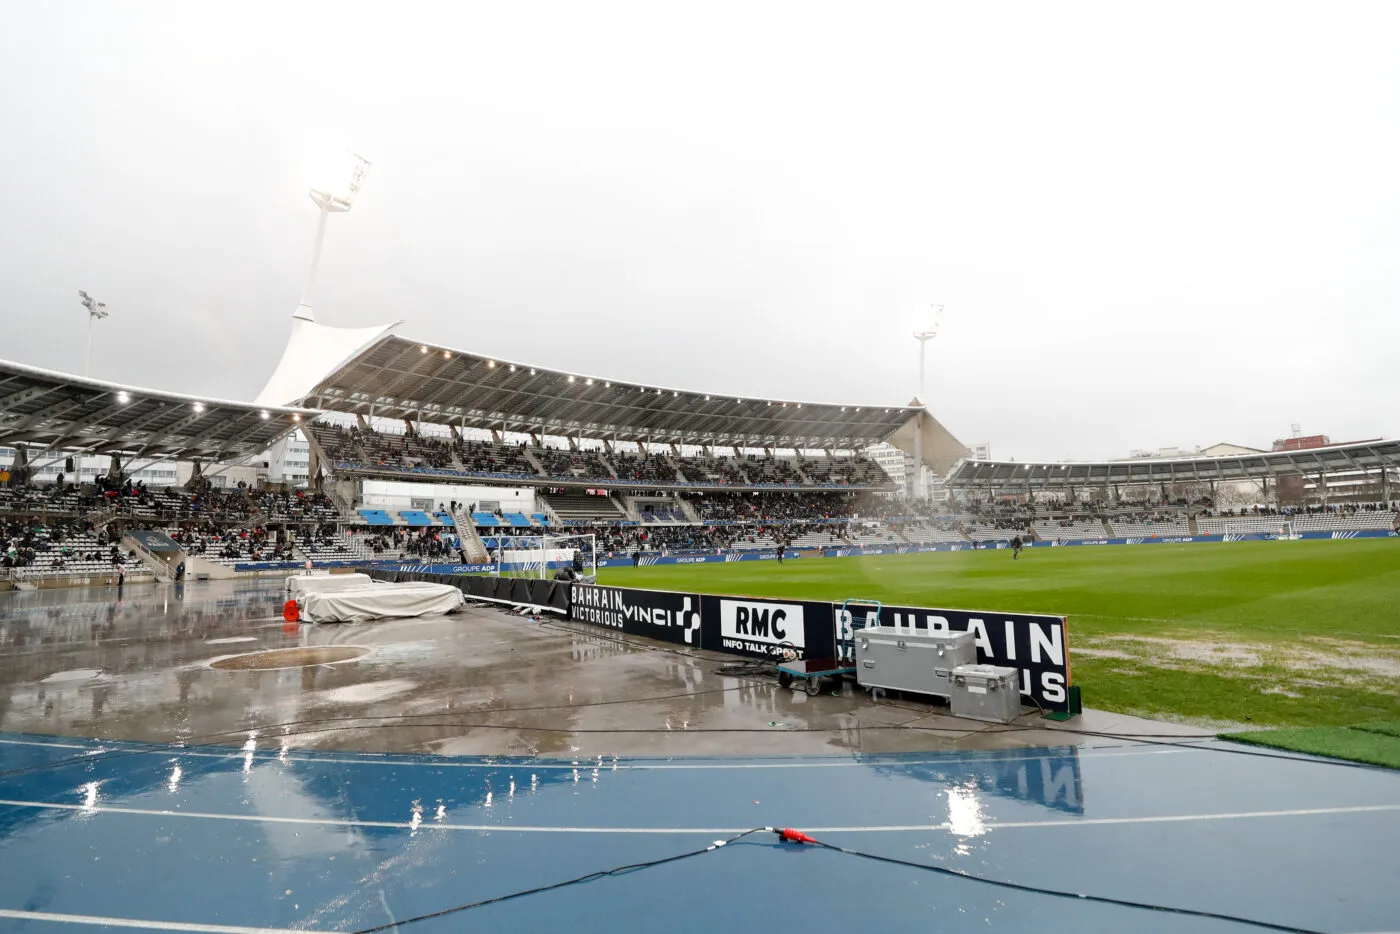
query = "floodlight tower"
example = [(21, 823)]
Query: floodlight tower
[(336, 181), (96, 311), (923, 337)]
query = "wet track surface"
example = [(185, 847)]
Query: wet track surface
[(148, 665), (263, 838), (244, 806)]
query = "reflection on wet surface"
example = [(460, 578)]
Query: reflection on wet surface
[(206, 662), (581, 753), (273, 659), (277, 838)]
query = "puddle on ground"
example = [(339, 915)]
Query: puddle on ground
[(77, 674), (290, 658)]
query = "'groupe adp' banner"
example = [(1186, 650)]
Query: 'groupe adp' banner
[(759, 628)]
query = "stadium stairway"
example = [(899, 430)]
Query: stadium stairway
[(680, 476), (689, 511), (534, 462), (1107, 529), (467, 534), (162, 565), (1192, 526), (629, 505)]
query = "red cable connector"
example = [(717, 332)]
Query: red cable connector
[(794, 836)]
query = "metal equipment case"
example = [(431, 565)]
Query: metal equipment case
[(986, 692), (917, 660)]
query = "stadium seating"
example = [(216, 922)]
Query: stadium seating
[(1345, 522), (1224, 525), (576, 508), (57, 552), (415, 517), (571, 465), (652, 513), (992, 532), (865, 535), (485, 519), (375, 517), (356, 449), (644, 468), (1049, 530), (822, 538), (517, 519), (931, 534), (1148, 527)]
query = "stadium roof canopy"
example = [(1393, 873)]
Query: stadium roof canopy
[(1335, 459), (396, 377), (59, 411)]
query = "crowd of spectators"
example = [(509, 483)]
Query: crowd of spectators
[(767, 507), (210, 541), (363, 447), (1333, 509), (643, 467), (565, 465), (23, 540)]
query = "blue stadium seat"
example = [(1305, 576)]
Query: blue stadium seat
[(376, 517), (517, 519), (415, 517), (484, 518), (540, 517), (445, 518)]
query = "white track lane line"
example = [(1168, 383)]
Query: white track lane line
[(141, 923), (512, 828), (193, 926)]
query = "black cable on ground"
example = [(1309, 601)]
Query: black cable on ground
[(590, 877), (793, 836), (788, 835)]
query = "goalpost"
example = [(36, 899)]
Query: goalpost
[(542, 556)]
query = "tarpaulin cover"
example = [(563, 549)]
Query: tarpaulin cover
[(299, 584), (383, 601)]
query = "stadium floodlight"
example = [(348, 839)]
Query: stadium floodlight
[(96, 311), (923, 337), (336, 175)]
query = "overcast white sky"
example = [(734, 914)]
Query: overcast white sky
[(1151, 224)]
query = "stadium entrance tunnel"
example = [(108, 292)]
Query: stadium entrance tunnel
[(306, 657)]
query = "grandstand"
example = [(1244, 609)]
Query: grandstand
[(1226, 525), (1069, 529), (1349, 521), (930, 533), (409, 439), (1137, 525)]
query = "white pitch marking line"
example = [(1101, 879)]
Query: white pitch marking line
[(141, 923), (508, 828)]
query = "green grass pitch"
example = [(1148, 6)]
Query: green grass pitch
[(1288, 634)]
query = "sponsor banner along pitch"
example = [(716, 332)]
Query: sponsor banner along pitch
[(1036, 645)]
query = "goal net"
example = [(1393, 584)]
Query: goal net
[(543, 556)]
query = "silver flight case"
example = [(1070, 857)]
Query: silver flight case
[(986, 692), (920, 661)]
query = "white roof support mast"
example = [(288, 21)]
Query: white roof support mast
[(314, 350)]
